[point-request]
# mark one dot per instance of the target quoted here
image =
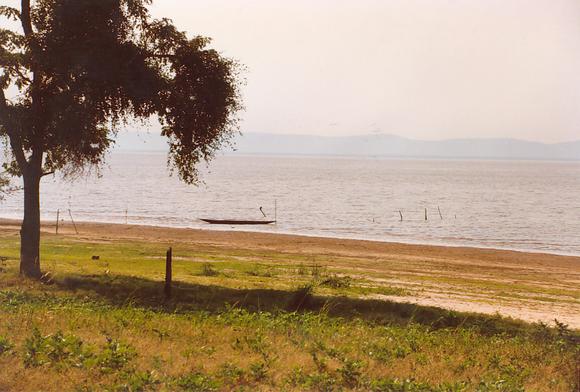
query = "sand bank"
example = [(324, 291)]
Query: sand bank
[(528, 286)]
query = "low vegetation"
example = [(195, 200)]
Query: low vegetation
[(237, 324)]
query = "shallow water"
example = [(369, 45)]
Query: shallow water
[(522, 205)]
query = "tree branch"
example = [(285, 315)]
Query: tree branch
[(47, 173), (22, 76), (25, 18)]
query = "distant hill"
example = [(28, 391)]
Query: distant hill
[(374, 145)]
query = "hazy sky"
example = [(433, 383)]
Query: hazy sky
[(427, 69)]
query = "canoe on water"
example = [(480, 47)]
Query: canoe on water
[(237, 222)]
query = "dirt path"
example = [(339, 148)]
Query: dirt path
[(528, 286)]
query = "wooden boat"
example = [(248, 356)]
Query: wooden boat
[(244, 221), (237, 222)]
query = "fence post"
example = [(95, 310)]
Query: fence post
[(168, 273), (57, 219)]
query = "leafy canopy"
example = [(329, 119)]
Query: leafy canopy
[(84, 67)]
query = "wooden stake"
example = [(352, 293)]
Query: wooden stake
[(400, 213), (73, 221), (57, 219), (168, 273), (439, 209), (425, 214)]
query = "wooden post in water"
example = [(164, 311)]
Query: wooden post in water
[(439, 209), (425, 213), (168, 273), (400, 213), (57, 219)]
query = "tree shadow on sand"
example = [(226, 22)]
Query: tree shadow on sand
[(146, 293)]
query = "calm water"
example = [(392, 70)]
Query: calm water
[(515, 205)]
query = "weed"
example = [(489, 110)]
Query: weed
[(5, 346), (411, 385), (337, 282), (317, 271), (318, 381), (351, 373), (261, 272), (259, 371), (136, 381), (198, 382), (319, 361), (54, 350), (208, 270), (160, 333), (230, 373), (114, 356)]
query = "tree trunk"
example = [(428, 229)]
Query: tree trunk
[(30, 230)]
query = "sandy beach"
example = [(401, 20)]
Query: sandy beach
[(528, 286)]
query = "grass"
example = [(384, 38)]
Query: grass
[(241, 320)]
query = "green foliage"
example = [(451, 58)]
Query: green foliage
[(63, 351), (259, 371), (198, 382), (317, 381), (54, 350), (231, 374), (135, 381), (5, 187), (102, 62), (115, 355), (5, 346), (410, 385), (351, 373)]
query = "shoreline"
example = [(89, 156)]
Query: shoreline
[(201, 234), (528, 286), (420, 243)]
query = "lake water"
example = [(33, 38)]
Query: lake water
[(519, 205)]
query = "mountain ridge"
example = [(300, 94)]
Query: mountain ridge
[(379, 145)]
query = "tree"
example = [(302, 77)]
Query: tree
[(82, 68)]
